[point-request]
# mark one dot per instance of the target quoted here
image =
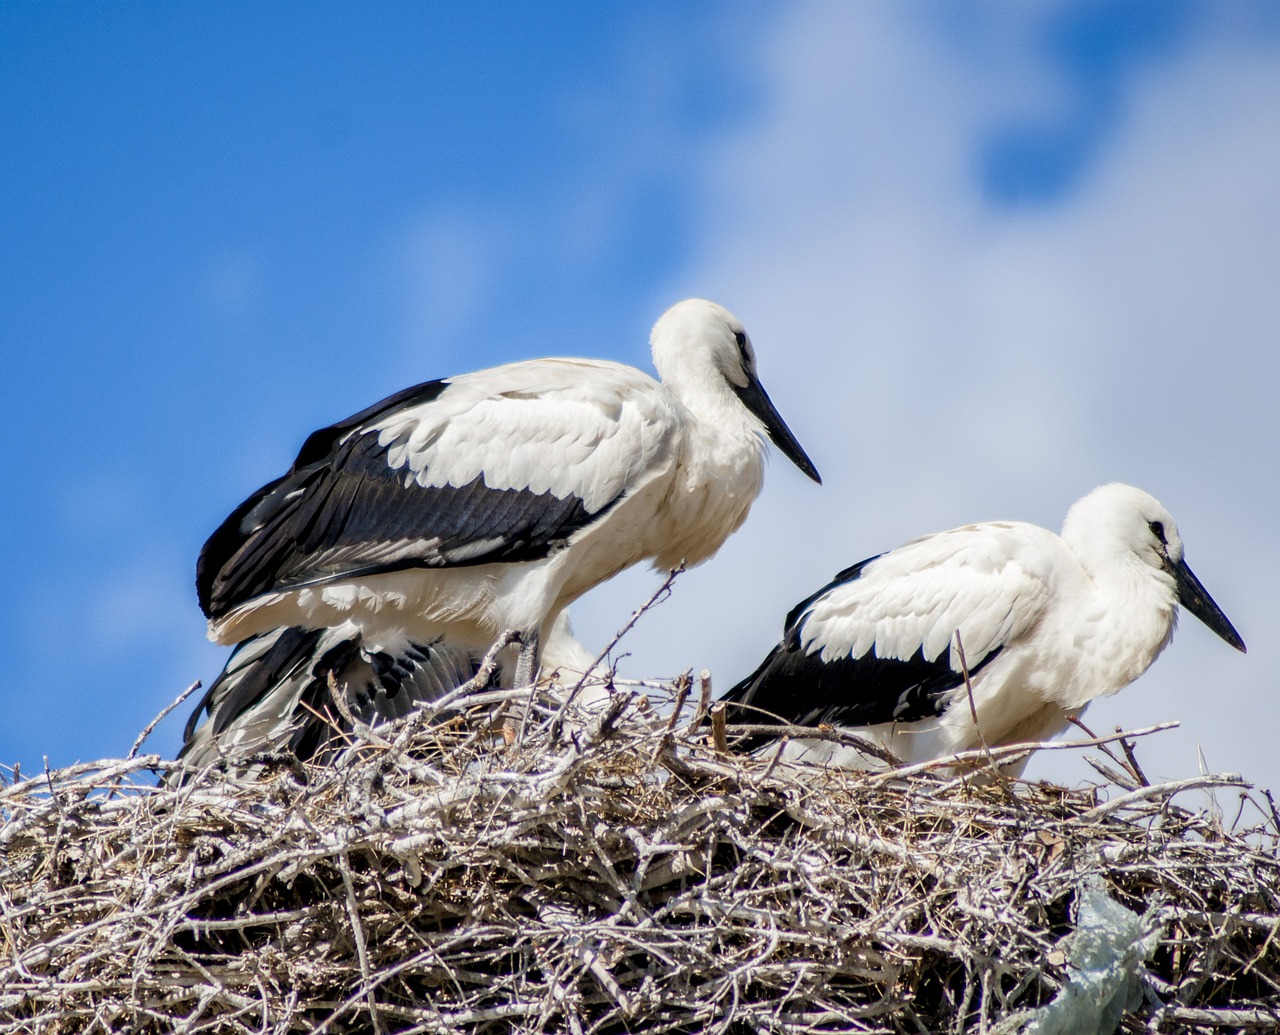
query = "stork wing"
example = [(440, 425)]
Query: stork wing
[(879, 643), (277, 692), (500, 465)]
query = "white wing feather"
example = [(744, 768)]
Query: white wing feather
[(565, 427), (991, 582)]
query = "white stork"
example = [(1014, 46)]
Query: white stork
[(1046, 624), (460, 509)]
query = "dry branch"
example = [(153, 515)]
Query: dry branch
[(610, 871)]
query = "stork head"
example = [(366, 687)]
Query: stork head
[(700, 348), (1120, 524)]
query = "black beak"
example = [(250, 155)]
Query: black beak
[(1195, 598), (757, 400)]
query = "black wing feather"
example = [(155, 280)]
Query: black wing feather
[(315, 453), (238, 688), (801, 689), (298, 672), (342, 511)]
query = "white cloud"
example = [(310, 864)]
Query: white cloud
[(944, 360)]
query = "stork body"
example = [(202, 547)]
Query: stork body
[(1043, 623), (460, 509)]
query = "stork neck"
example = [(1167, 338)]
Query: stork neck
[(1134, 609)]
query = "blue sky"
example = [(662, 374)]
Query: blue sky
[(991, 255)]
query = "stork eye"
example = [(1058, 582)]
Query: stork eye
[(1157, 530)]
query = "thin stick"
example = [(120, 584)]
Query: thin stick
[(1008, 752), (1127, 747), (681, 685), (483, 674), (357, 931), (658, 595), (1271, 803), (704, 698), (718, 736), (1135, 773), (151, 726), (340, 701), (773, 762), (1166, 789), (824, 734), (973, 708)]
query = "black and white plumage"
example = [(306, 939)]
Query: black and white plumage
[(277, 692), (297, 690), (1046, 624), (460, 509)]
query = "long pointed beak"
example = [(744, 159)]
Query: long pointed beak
[(757, 400), (1195, 598)]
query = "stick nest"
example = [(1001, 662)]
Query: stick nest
[(532, 865)]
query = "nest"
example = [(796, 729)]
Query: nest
[(533, 864)]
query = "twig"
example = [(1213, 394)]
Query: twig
[(1006, 753), (1165, 790), (822, 734), (973, 708), (1120, 779), (150, 727), (704, 698), (1126, 746), (1242, 1020), (773, 762), (718, 737), (658, 595), (357, 931), (1133, 771), (682, 684), (1271, 804)]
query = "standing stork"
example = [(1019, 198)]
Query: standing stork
[(460, 509), (1042, 623)]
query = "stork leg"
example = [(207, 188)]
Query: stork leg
[(527, 661)]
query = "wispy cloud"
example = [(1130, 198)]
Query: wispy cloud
[(946, 356)]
